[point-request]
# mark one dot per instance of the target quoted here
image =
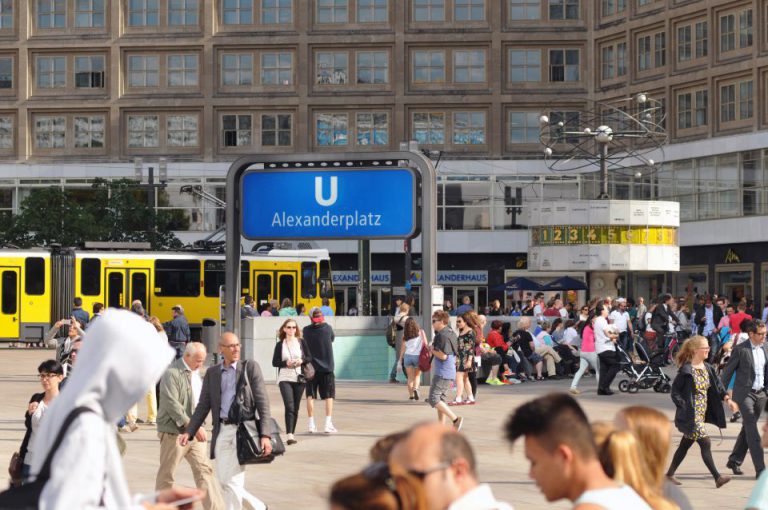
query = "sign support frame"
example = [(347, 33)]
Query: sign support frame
[(348, 160)]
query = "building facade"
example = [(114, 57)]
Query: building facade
[(98, 88)]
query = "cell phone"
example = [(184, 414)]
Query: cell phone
[(185, 501), (66, 322)]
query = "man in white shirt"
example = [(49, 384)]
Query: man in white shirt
[(619, 317), (179, 392), (606, 350), (444, 461)]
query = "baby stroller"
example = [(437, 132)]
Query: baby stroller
[(645, 374)]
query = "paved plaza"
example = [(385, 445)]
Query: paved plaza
[(366, 411)]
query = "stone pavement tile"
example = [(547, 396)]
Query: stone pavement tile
[(366, 411)]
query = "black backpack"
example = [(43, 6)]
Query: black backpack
[(27, 497), (391, 333)]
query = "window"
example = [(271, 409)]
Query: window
[(6, 73), (469, 10), (728, 103), (143, 71), (621, 59), (237, 130), (660, 49), (729, 29), (332, 11), (51, 72), (611, 7), (372, 128), (563, 9), (276, 12), (745, 28), (684, 48), (469, 128), (89, 132), (651, 51), (644, 53), (89, 72), (429, 128), (10, 286), (429, 66), (745, 100), (6, 132), (276, 130), (524, 127), (607, 58), (429, 10), (332, 129), (285, 287), (89, 13), (143, 131), (90, 277), (277, 68), (34, 276), (183, 12), (563, 65), (524, 9), (736, 101), (51, 13), (177, 278), (6, 14), (469, 66), (182, 131), (613, 60), (728, 33), (692, 109), (692, 41), (372, 67), (214, 277), (237, 69), (182, 70), (701, 39), (143, 13), (371, 11), (524, 66), (570, 120), (237, 12), (332, 68), (50, 132), (308, 280)]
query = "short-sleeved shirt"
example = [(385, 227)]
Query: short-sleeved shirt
[(602, 342), (620, 320), (759, 497), (447, 342)]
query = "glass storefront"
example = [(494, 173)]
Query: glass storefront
[(735, 281)]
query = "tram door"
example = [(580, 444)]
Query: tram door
[(262, 282), (125, 286), (275, 285), (10, 299)]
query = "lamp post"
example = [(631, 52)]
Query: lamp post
[(150, 187)]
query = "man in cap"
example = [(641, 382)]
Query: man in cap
[(319, 337), (619, 317), (177, 330)]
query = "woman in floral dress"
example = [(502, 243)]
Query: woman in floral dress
[(698, 395), (465, 361)]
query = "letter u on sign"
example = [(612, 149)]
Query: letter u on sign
[(319, 191)]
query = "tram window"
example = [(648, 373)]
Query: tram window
[(34, 276), (214, 277), (326, 285), (90, 277), (308, 280), (10, 292), (177, 277), (286, 288), (263, 288)]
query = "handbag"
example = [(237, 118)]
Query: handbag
[(248, 440), (308, 371), (15, 467), (425, 357), (27, 497)]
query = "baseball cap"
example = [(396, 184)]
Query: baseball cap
[(316, 314), (620, 300), (178, 308)]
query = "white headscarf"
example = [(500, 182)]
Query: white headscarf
[(120, 358)]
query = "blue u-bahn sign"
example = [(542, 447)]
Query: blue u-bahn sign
[(329, 203)]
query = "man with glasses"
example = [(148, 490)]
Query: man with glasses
[(749, 361), (443, 460), (444, 348), (217, 395)]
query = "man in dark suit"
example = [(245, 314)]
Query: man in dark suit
[(218, 394), (661, 316), (749, 361)]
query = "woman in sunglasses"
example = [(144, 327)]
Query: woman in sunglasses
[(290, 354), (51, 373), (379, 487)]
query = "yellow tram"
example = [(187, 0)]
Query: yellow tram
[(37, 286)]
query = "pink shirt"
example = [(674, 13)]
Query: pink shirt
[(588, 339)]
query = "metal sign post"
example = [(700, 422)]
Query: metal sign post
[(330, 196)]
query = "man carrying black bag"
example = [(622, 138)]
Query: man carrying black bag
[(219, 396)]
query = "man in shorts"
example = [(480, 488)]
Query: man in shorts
[(444, 349), (319, 337)]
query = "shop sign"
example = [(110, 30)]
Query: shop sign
[(451, 278), (353, 277), (731, 257)]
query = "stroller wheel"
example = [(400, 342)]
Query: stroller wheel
[(666, 388), (633, 388), (624, 386), (658, 387)]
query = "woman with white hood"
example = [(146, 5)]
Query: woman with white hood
[(120, 358)]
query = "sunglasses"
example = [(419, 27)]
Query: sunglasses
[(289, 327)]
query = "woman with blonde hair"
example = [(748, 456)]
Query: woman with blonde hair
[(697, 394), (378, 487), (653, 432), (619, 453)]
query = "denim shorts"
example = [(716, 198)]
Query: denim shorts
[(411, 360)]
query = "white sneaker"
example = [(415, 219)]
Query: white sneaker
[(312, 428), (330, 429)]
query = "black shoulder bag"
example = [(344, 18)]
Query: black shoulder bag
[(27, 496), (248, 437)]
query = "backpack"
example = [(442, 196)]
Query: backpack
[(27, 496), (391, 334)]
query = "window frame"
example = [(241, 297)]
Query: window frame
[(34, 277), (70, 87), (8, 18), (526, 128), (8, 133), (526, 51), (448, 54), (192, 279), (738, 120), (68, 139), (161, 133), (694, 125), (654, 55), (162, 72), (449, 128), (257, 130)]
